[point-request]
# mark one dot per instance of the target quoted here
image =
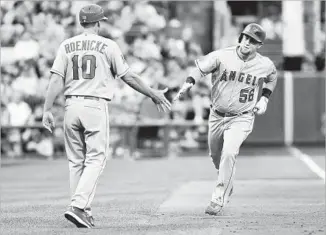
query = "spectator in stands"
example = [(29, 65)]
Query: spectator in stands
[(27, 47), (19, 114), (6, 89), (154, 73), (145, 46), (43, 67), (58, 141), (231, 36), (66, 18), (19, 110), (41, 143), (192, 49), (35, 29), (174, 74), (5, 115), (27, 83), (50, 33), (201, 101), (10, 34), (175, 46), (272, 23), (18, 13), (36, 116), (5, 121), (141, 12), (58, 110)]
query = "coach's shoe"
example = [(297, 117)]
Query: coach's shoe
[(78, 217), (213, 209), (89, 214)]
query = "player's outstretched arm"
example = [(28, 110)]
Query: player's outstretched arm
[(188, 84), (55, 87), (204, 65), (135, 82)]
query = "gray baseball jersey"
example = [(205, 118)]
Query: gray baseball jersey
[(89, 63), (234, 81)]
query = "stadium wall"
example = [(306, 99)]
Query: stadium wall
[(307, 112)]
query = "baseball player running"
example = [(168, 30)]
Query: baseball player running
[(86, 66), (236, 74)]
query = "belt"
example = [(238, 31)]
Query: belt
[(228, 114), (86, 97)]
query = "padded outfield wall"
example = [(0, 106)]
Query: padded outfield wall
[(295, 112)]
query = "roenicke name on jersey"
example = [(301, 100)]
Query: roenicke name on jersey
[(85, 45)]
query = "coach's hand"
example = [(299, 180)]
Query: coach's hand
[(162, 104), (261, 106), (48, 121)]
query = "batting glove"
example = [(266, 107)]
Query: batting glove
[(261, 106), (185, 87)]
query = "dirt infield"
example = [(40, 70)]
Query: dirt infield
[(273, 195)]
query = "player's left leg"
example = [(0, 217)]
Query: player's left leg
[(235, 134), (74, 144), (96, 124)]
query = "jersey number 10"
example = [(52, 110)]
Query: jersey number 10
[(88, 67)]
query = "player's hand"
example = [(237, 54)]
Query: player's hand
[(48, 121), (162, 104), (261, 106), (185, 87)]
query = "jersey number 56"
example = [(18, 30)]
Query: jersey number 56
[(246, 95), (88, 67)]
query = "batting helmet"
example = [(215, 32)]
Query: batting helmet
[(91, 14), (254, 31)]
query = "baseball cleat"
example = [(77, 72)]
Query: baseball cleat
[(91, 220), (90, 217), (78, 217), (213, 209)]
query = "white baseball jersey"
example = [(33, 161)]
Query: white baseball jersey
[(235, 83), (89, 64)]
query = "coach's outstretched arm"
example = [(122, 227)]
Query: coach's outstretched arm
[(135, 82), (204, 65), (55, 87), (268, 88)]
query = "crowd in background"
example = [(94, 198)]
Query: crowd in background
[(156, 47), (160, 48)]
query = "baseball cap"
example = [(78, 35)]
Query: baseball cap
[(255, 31), (91, 13)]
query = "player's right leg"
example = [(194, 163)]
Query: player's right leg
[(215, 144), (215, 138)]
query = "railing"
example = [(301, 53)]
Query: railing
[(128, 132)]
